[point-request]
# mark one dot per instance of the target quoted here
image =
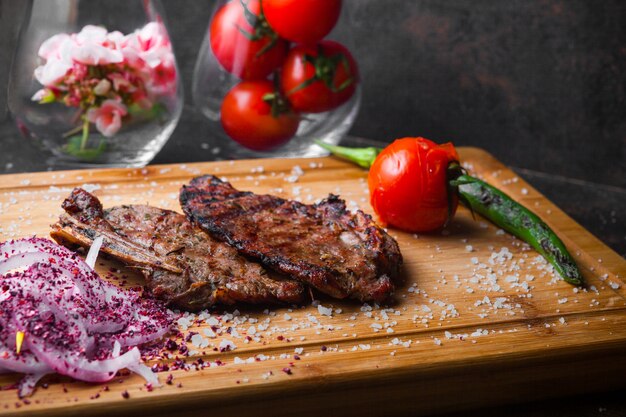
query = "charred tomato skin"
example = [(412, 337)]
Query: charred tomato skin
[(409, 186)]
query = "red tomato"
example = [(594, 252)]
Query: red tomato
[(302, 21), (409, 187), (256, 117), (319, 78), (249, 56)]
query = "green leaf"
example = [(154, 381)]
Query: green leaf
[(157, 111), (73, 147)]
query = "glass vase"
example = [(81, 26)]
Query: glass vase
[(215, 78), (95, 83)]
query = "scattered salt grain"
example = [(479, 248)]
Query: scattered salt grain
[(208, 332), (226, 345), (324, 311), (90, 188), (296, 173)]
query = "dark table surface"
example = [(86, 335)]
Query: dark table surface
[(597, 207)]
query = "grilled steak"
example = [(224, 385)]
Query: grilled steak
[(182, 265), (340, 253)]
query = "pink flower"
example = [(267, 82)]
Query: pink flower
[(52, 71), (107, 117), (56, 52), (163, 79), (51, 46), (152, 44), (121, 82), (91, 47), (79, 71)]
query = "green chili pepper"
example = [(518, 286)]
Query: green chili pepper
[(495, 206), (511, 216)]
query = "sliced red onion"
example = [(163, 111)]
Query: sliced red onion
[(74, 322), (25, 363), (22, 260), (144, 371), (92, 255), (84, 369), (27, 384)]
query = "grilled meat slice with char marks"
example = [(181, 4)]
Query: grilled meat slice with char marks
[(340, 253), (183, 265)]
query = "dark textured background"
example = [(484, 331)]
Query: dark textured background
[(538, 83)]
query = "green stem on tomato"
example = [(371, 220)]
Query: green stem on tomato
[(363, 157), (85, 136), (492, 204)]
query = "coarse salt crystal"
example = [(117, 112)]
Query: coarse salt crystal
[(199, 341), (324, 311), (226, 345), (90, 188), (212, 321)]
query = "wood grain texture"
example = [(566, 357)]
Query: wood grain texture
[(473, 324)]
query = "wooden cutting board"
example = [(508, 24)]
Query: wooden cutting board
[(479, 320)]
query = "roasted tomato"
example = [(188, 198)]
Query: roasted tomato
[(257, 117), (243, 43), (319, 78), (409, 186), (302, 21)]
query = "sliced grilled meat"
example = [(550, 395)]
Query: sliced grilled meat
[(183, 265), (340, 253)]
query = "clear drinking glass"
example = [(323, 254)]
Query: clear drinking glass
[(96, 83), (211, 83)]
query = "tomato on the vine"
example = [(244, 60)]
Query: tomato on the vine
[(257, 117), (242, 41), (319, 78), (409, 186), (302, 21)]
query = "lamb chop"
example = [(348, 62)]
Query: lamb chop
[(340, 253), (182, 265)]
